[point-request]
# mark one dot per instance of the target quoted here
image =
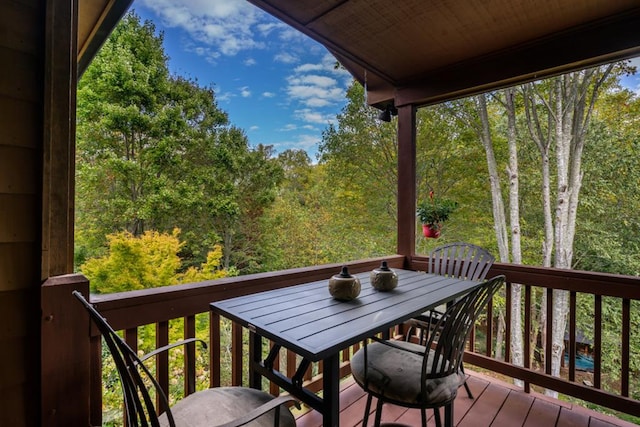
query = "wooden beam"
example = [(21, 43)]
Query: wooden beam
[(109, 17), (66, 353), (610, 40), (60, 82), (406, 181)]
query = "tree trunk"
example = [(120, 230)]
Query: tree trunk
[(499, 218), (486, 139), (500, 336), (568, 109), (517, 346)]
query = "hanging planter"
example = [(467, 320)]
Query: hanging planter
[(432, 213), (431, 231)]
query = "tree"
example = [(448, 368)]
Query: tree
[(568, 108), (608, 229), (255, 179), (358, 156), (135, 125), (147, 261), (155, 152), (557, 124)]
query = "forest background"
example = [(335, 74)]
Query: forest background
[(169, 191)]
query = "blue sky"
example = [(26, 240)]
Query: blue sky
[(274, 82)]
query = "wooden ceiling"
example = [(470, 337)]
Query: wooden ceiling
[(426, 51), (96, 20)]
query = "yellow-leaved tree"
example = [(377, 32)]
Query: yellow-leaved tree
[(148, 261)]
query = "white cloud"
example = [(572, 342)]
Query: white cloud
[(318, 88), (313, 91), (266, 28), (305, 68), (313, 80), (209, 54), (306, 142), (313, 116), (225, 24), (314, 95), (224, 96), (327, 64), (285, 58), (290, 34)]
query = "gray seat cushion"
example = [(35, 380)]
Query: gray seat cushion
[(395, 374), (219, 405)]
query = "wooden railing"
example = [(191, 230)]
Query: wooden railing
[(131, 310), (624, 289)]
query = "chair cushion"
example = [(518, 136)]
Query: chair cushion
[(395, 374), (219, 405)]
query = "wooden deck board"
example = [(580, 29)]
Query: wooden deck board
[(542, 413), (485, 407), (569, 418), (496, 404), (594, 422), (463, 404), (514, 410)]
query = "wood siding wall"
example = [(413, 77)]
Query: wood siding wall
[(37, 77), (21, 110)]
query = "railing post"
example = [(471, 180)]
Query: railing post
[(64, 354)]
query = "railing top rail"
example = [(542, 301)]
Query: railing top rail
[(134, 308), (604, 284)]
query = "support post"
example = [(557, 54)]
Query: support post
[(406, 244), (65, 357)]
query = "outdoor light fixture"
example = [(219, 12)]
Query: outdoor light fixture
[(385, 115)]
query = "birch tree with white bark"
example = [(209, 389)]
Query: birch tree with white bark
[(508, 235), (557, 116), (478, 118), (568, 105)]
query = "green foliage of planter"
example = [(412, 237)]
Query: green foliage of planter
[(435, 210)]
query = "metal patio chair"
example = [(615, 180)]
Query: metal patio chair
[(460, 260), (422, 376), (220, 406)]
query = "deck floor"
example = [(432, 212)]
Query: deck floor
[(496, 404)]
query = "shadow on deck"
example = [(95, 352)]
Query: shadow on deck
[(496, 403)]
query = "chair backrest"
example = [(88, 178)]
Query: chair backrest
[(463, 260), (448, 338), (139, 406)]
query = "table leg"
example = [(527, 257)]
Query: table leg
[(255, 358), (331, 391)]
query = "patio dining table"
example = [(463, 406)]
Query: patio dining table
[(305, 319)]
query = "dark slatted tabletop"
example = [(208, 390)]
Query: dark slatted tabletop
[(306, 319)]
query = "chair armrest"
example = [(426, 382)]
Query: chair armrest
[(170, 346), (261, 410), (399, 347)]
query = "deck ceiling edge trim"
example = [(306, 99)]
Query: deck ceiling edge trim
[(515, 66), (112, 14), (334, 48)]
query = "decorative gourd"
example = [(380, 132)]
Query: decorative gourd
[(343, 286), (383, 278)]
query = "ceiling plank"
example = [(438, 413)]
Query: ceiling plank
[(610, 40)]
